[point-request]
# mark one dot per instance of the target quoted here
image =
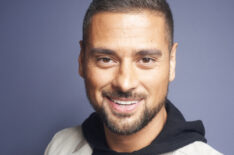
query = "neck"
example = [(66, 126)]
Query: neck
[(140, 139)]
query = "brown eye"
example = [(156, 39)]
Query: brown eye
[(147, 60), (105, 62)]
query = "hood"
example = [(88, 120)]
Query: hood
[(176, 133)]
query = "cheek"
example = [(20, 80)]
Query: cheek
[(156, 83), (155, 77), (97, 79)]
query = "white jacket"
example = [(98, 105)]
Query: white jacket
[(71, 141)]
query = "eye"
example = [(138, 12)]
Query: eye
[(105, 62), (147, 60)]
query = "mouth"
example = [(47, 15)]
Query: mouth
[(124, 105), (120, 102)]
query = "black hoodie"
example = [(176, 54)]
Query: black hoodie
[(176, 133)]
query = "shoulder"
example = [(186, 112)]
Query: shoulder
[(195, 148), (67, 141)]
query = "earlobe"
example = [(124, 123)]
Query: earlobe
[(81, 59), (172, 62)]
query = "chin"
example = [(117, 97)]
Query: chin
[(127, 124)]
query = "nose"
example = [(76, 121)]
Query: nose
[(125, 78)]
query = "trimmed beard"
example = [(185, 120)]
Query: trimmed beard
[(142, 121)]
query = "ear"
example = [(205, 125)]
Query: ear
[(81, 59), (172, 62)]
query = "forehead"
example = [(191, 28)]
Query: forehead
[(137, 29)]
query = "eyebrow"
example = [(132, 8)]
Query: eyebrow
[(143, 52), (155, 52), (102, 51)]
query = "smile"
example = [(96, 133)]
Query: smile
[(125, 102), (124, 105)]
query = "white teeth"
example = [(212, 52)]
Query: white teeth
[(125, 102)]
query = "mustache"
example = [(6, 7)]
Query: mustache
[(120, 94)]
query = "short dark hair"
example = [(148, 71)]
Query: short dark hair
[(159, 6)]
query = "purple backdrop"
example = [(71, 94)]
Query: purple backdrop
[(41, 92)]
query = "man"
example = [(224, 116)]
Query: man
[(127, 60)]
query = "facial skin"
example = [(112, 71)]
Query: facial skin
[(127, 66)]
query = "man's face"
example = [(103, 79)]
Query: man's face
[(126, 65)]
